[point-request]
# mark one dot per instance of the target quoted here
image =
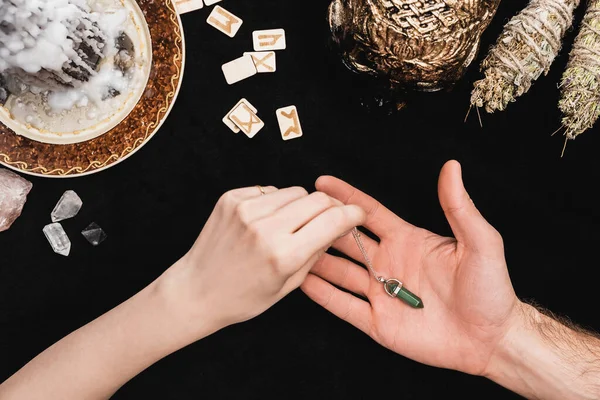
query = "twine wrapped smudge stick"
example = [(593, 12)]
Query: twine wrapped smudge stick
[(580, 84), (524, 51)]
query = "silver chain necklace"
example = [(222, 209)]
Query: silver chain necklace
[(393, 287)]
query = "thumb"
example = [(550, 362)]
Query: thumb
[(467, 223)]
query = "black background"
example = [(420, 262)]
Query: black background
[(154, 204)]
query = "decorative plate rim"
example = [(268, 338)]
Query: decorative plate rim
[(162, 115)]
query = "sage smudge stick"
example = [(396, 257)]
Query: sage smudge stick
[(524, 51), (580, 84)]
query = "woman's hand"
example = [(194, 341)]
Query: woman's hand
[(469, 300), (255, 249)]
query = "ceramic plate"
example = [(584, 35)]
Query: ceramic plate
[(69, 160)]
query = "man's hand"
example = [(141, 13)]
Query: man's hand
[(472, 320), (463, 282)]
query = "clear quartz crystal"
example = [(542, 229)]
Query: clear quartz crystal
[(67, 207), (58, 239), (94, 234)]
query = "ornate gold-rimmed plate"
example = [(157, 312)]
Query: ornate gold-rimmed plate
[(136, 129)]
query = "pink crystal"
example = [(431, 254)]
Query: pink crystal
[(13, 195)]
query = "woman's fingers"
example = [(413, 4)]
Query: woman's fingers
[(380, 220), (343, 273), (298, 213), (347, 245), (246, 193), (262, 206), (319, 233), (343, 305)]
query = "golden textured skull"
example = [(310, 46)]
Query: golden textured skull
[(425, 45)]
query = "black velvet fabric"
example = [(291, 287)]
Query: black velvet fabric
[(154, 204)]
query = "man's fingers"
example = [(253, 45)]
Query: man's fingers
[(343, 305), (467, 223), (342, 273), (380, 220)]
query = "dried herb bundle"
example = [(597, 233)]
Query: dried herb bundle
[(580, 85), (524, 51)]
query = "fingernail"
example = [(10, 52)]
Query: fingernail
[(358, 212)]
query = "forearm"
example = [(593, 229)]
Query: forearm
[(97, 359), (541, 358)]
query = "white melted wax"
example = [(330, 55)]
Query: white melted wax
[(72, 110)]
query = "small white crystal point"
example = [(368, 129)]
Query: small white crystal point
[(65, 252), (67, 207), (58, 239)]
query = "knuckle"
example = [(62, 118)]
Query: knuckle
[(327, 300), (451, 210), (350, 306), (243, 212), (321, 199), (300, 190), (228, 199), (496, 238), (344, 277), (374, 208), (279, 260), (336, 216), (351, 196), (257, 232)]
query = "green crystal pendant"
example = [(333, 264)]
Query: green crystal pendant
[(395, 288)]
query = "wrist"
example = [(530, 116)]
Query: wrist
[(100, 357), (506, 361), (188, 312), (541, 358), (517, 362)]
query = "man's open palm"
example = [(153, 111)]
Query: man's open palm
[(469, 301)]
